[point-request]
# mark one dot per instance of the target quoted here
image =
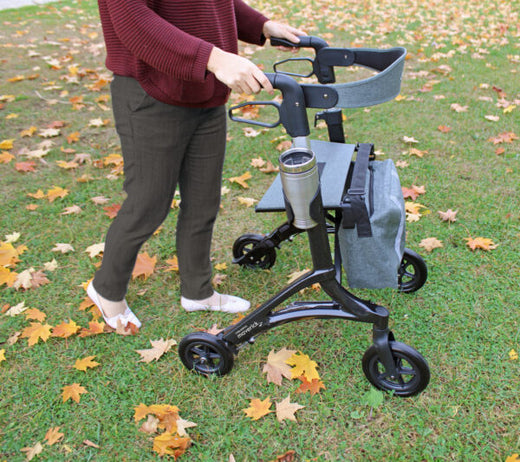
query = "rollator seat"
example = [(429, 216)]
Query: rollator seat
[(333, 165)]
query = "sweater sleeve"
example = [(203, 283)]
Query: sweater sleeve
[(158, 43), (249, 23)]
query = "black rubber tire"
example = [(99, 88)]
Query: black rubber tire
[(245, 243), (206, 354), (414, 373), (413, 272)]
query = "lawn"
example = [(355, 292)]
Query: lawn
[(454, 133)]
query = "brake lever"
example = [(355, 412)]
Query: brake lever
[(252, 121)]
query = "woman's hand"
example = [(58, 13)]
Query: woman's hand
[(279, 30), (238, 73)]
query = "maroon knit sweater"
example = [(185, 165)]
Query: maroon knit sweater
[(165, 44)]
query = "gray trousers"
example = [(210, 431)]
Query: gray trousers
[(164, 146)]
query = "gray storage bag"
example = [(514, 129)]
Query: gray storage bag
[(372, 235)]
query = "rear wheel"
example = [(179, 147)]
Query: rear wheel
[(247, 252), (413, 272)]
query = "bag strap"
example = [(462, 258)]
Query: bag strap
[(354, 207)]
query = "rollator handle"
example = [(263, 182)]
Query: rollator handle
[(292, 111)]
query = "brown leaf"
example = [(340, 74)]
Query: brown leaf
[(111, 211), (160, 347), (94, 328), (170, 444), (276, 367), (286, 410), (27, 166), (430, 243), (449, 215), (241, 180), (30, 453)]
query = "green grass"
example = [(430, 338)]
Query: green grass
[(465, 320)]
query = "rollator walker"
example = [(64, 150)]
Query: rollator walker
[(312, 187)]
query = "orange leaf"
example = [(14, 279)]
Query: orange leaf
[(37, 331), (241, 180), (444, 129), (258, 409), (314, 386), (25, 166), (94, 328), (173, 264), (144, 266), (430, 243), (5, 157), (65, 329), (73, 392), (112, 210), (449, 215), (53, 435)]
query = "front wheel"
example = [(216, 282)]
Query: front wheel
[(206, 354), (413, 373), (248, 252)]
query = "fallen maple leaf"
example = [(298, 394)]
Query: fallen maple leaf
[(30, 453), (449, 215), (55, 192), (144, 266), (314, 386), (160, 347), (36, 331), (286, 410), (241, 180), (85, 363), (2, 355), (182, 425), (269, 168), (95, 249), (513, 355), (94, 328), (247, 201), (53, 435), (35, 314), (276, 367), (150, 426), (25, 166), (170, 444), (430, 243), (257, 162), (483, 243), (65, 329), (258, 409), (73, 392), (63, 248), (173, 264), (303, 366), (111, 211)]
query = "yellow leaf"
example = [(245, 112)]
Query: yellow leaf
[(141, 412), (513, 458), (221, 266), (170, 444), (513, 355), (37, 331), (247, 201), (5, 157), (173, 264), (7, 144), (83, 364), (2, 355), (73, 392), (8, 254), (258, 409), (55, 192), (303, 366)]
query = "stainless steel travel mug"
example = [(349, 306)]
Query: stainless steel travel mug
[(300, 182)]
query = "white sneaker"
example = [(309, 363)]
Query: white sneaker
[(124, 318), (232, 305)]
